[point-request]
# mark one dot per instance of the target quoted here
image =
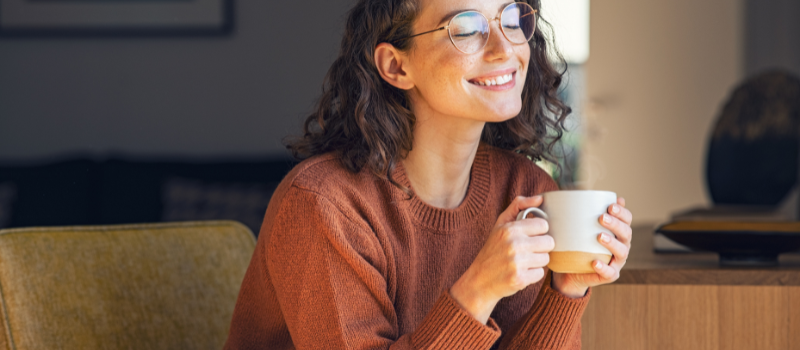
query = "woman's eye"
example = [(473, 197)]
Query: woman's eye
[(466, 34), (512, 26)]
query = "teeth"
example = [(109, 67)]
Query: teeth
[(496, 81)]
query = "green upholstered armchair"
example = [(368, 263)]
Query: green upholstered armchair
[(143, 286)]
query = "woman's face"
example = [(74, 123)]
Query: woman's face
[(452, 83)]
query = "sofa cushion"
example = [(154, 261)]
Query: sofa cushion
[(145, 286)]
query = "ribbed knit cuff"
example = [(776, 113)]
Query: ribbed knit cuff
[(551, 321), (448, 326)]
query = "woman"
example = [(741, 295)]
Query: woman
[(398, 231)]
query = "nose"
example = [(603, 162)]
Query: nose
[(497, 47)]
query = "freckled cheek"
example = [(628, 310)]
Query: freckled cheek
[(444, 68), (442, 74)]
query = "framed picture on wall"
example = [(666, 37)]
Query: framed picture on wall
[(115, 17)]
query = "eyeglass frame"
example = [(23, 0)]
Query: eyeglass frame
[(489, 27)]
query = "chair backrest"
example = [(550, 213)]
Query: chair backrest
[(143, 286)]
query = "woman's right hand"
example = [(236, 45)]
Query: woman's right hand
[(513, 257)]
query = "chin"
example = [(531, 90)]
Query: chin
[(498, 117), (504, 114)]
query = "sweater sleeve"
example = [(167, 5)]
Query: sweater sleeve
[(553, 322), (328, 272)]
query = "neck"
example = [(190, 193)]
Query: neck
[(439, 164)]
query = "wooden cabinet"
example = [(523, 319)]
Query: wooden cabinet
[(686, 301)]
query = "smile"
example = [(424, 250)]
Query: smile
[(500, 80), (497, 82)]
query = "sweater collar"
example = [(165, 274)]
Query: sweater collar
[(451, 220)]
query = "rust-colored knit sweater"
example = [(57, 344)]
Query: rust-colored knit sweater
[(346, 261)]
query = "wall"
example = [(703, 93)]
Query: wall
[(657, 75), (772, 36), (236, 95)]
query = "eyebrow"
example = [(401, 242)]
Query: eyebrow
[(451, 14)]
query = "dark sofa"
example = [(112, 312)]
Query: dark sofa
[(82, 191)]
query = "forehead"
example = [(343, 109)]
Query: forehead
[(432, 12)]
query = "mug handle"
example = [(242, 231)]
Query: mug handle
[(536, 212)]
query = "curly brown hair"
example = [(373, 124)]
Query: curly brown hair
[(370, 121)]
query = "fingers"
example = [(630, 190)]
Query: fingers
[(621, 201), (532, 261), (540, 244), (606, 272), (519, 204), (617, 248), (525, 273), (620, 229), (529, 236), (531, 276), (535, 275), (620, 212), (532, 227)]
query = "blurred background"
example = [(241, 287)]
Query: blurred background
[(196, 107)]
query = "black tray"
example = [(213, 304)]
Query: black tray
[(738, 243)]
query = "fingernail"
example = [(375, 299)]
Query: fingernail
[(615, 209), (605, 238), (606, 218), (597, 264)]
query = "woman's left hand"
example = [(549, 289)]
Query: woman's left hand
[(618, 221)]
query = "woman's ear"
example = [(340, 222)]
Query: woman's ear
[(390, 63)]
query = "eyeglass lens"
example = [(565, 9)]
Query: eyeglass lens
[(469, 31)]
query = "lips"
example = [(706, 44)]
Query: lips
[(497, 80)]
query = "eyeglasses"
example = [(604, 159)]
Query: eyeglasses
[(469, 30)]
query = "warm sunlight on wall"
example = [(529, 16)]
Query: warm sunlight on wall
[(658, 73)]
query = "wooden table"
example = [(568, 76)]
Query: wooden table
[(687, 301)]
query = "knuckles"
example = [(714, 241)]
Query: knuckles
[(508, 231), (541, 259), (549, 243), (514, 251), (517, 281), (541, 225), (543, 243), (537, 274), (523, 246), (536, 226), (613, 277), (610, 274), (623, 255), (524, 278)]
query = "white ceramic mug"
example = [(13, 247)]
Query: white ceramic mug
[(573, 220)]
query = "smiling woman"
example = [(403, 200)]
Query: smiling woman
[(357, 99), (398, 230)]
